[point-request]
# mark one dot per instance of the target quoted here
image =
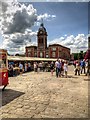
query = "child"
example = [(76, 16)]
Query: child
[(52, 67), (65, 68)]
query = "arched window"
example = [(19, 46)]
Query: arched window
[(41, 54)]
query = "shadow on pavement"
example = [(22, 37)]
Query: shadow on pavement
[(69, 76), (87, 78), (9, 95)]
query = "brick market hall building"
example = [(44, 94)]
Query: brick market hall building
[(44, 51)]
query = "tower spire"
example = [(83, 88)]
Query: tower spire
[(42, 24), (42, 20)]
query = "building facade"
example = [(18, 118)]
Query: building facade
[(58, 51), (44, 51)]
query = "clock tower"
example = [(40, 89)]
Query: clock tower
[(42, 41)]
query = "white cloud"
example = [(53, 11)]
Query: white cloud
[(54, 0), (16, 20), (75, 43), (15, 42), (46, 16)]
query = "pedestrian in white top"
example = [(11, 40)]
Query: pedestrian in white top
[(65, 68), (21, 67), (86, 66), (25, 67)]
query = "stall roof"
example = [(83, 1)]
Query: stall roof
[(19, 58)]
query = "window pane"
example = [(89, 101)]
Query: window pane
[(53, 48)]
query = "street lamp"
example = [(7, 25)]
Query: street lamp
[(89, 41), (89, 55)]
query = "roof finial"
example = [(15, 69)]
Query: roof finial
[(42, 22)]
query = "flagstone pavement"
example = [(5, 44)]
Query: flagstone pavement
[(40, 95)]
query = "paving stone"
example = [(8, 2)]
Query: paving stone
[(42, 96)]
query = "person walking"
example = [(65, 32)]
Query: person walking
[(35, 67), (86, 67), (57, 67), (43, 66), (74, 63), (21, 67), (10, 69), (25, 67), (52, 67), (29, 66), (62, 69), (77, 70), (65, 68), (82, 66)]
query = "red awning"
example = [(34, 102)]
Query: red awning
[(87, 56)]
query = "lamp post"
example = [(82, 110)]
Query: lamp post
[(89, 39), (89, 57)]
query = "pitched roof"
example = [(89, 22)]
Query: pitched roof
[(55, 44)]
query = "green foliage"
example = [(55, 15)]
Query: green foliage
[(79, 55)]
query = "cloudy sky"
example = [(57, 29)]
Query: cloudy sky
[(66, 23), (54, 0)]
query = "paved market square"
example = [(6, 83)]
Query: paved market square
[(40, 95)]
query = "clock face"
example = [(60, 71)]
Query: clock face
[(40, 32)]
